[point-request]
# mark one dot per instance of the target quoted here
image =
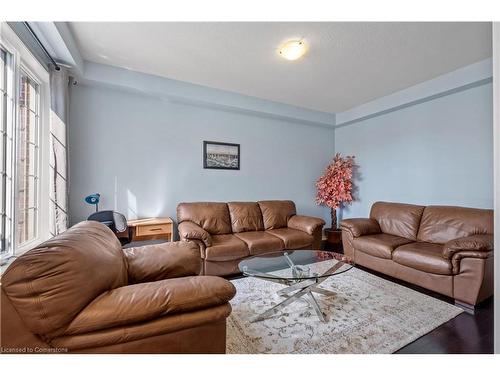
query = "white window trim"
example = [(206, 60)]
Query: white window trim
[(496, 138), (22, 57)]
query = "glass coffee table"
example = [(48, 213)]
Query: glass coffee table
[(302, 271)]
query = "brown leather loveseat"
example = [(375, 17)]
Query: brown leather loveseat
[(442, 248), (226, 233), (80, 292)]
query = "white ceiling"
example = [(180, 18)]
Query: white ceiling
[(348, 64)]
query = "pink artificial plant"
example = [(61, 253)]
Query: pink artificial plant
[(335, 186)]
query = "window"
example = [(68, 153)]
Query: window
[(28, 173), (24, 142), (6, 149), (3, 142)]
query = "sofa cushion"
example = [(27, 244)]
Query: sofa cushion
[(477, 243), (245, 216), (162, 261), (51, 284), (292, 238), (191, 231), (360, 227), (276, 213), (261, 242), (211, 216), (142, 302), (441, 224), (226, 247), (379, 245), (423, 256), (306, 224), (398, 219)]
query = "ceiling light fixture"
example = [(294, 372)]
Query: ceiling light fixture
[(293, 49)]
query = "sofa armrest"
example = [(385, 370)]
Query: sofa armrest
[(477, 243), (162, 261), (191, 231), (144, 302), (306, 224), (360, 227)]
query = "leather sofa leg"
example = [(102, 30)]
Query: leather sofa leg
[(468, 308)]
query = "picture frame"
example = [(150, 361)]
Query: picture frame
[(221, 155)]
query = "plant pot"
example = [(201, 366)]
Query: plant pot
[(333, 239)]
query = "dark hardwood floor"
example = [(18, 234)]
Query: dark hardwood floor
[(466, 333), (471, 334)]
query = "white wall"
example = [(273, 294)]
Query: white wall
[(144, 155), (435, 152), (137, 139)]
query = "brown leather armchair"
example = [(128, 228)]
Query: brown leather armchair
[(226, 233), (80, 292), (442, 248)]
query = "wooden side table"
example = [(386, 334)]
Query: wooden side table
[(154, 228)]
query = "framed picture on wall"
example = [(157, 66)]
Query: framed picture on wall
[(219, 155)]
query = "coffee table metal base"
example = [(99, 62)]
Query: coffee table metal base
[(303, 289), (301, 285)]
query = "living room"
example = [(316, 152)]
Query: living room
[(285, 187)]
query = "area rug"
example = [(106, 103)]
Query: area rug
[(367, 315)]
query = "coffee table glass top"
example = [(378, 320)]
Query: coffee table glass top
[(295, 265)]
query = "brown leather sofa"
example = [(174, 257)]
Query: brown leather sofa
[(442, 248), (226, 233), (80, 292)]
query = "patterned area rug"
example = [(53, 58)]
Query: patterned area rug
[(367, 315)]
